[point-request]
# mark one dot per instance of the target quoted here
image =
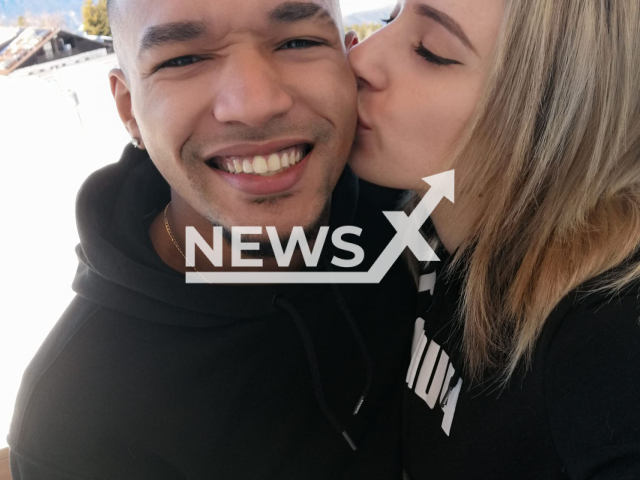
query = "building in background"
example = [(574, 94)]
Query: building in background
[(37, 50), (7, 34)]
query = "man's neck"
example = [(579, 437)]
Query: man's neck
[(173, 257)]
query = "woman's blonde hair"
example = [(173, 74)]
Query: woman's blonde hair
[(554, 151)]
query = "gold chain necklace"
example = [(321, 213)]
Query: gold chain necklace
[(175, 242)]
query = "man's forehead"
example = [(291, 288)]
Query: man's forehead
[(137, 17), (144, 12)]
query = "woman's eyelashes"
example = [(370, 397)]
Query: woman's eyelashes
[(431, 57), (428, 55)]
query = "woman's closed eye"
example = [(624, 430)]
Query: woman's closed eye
[(431, 57), (428, 55)]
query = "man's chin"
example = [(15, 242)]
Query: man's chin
[(284, 229)]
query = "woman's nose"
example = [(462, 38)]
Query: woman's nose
[(251, 92), (369, 62)]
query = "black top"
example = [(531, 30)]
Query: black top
[(147, 377), (574, 415)]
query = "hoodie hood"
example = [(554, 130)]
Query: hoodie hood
[(119, 268)]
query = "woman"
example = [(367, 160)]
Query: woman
[(526, 360)]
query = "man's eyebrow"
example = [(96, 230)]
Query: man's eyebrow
[(447, 22), (171, 33), (290, 12)]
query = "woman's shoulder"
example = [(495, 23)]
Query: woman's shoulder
[(592, 382), (593, 321)]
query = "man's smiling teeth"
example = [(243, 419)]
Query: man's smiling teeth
[(263, 165)]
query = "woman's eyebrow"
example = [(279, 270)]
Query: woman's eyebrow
[(447, 22)]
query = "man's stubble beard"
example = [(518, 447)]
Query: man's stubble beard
[(265, 250)]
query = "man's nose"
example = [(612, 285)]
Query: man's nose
[(368, 60), (251, 92)]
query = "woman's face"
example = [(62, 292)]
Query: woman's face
[(420, 79)]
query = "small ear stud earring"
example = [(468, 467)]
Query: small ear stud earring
[(135, 142)]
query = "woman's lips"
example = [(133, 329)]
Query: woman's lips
[(363, 124)]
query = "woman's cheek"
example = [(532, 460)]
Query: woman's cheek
[(438, 118)]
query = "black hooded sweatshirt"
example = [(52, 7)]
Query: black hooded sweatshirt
[(572, 414), (147, 377)]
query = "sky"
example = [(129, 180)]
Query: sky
[(352, 6)]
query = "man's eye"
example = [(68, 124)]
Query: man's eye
[(180, 62), (387, 21), (300, 43)]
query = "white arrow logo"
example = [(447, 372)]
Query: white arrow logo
[(407, 235)]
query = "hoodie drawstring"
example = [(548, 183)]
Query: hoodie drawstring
[(366, 357), (285, 305), (357, 334), (305, 335)]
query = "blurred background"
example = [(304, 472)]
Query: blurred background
[(58, 123)]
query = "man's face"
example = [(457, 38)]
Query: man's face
[(242, 85)]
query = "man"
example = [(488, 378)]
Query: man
[(243, 113)]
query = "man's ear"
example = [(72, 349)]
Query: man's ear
[(351, 39), (122, 96)]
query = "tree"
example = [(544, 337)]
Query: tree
[(364, 29), (95, 18)]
